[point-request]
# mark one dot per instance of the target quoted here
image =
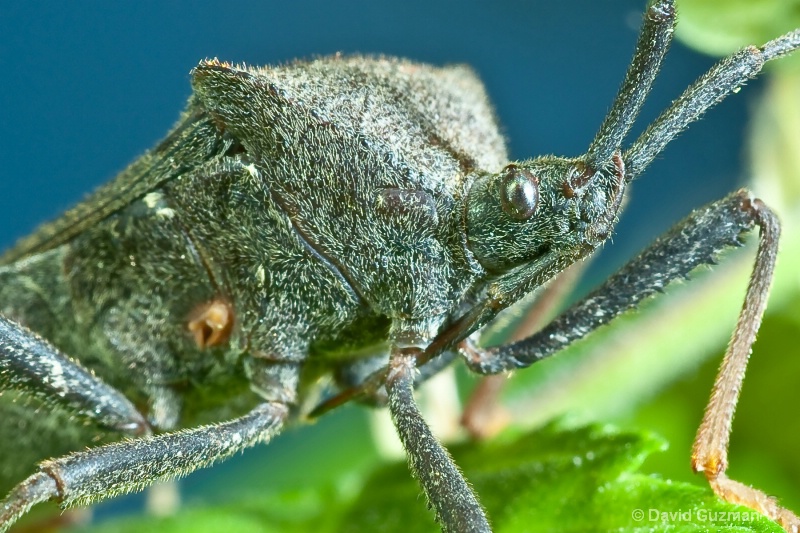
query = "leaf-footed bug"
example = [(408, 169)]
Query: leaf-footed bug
[(319, 209)]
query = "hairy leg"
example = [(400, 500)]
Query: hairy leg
[(85, 477), (32, 365), (456, 506), (695, 241)]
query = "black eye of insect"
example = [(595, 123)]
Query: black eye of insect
[(519, 193)]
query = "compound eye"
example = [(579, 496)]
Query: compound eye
[(519, 193)]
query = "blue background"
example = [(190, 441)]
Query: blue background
[(87, 88)]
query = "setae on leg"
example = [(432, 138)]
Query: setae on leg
[(695, 241), (85, 477), (31, 364), (456, 506)]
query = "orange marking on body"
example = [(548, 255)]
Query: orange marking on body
[(211, 323)]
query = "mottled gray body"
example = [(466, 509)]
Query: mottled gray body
[(332, 216)]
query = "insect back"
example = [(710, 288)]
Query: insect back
[(345, 148)]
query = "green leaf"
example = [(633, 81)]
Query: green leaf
[(548, 481), (558, 481), (719, 27)]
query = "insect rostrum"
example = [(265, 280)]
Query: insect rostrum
[(330, 218)]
